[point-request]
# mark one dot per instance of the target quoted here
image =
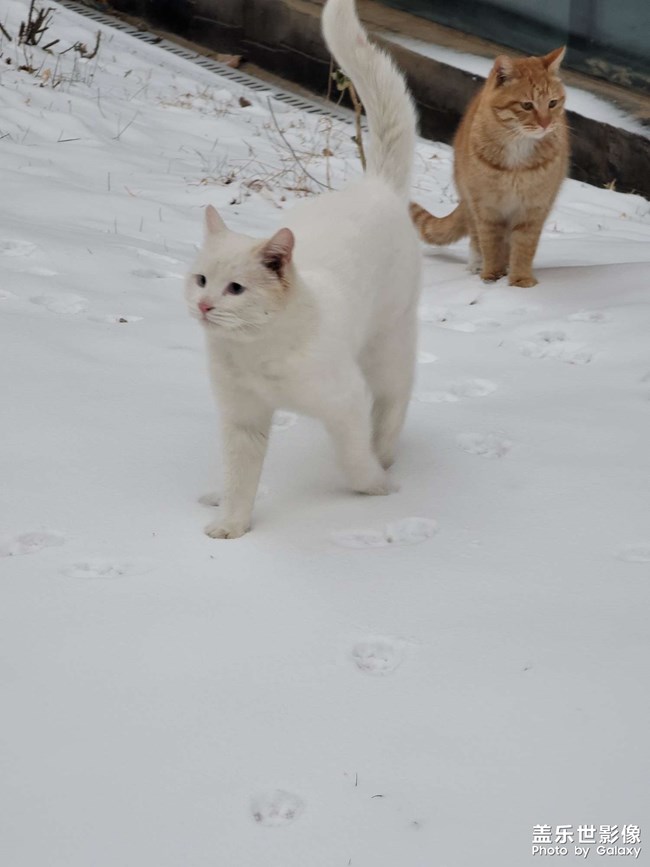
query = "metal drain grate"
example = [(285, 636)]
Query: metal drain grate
[(220, 69)]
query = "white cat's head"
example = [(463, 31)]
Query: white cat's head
[(239, 284)]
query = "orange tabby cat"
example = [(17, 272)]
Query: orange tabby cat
[(511, 154)]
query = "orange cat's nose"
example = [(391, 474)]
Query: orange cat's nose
[(544, 122), (205, 306)]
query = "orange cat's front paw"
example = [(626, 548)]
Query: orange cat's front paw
[(524, 282), (491, 276)]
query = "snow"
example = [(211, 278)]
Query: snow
[(407, 680), (580, 101)]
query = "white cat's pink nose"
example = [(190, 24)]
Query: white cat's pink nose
[(205, 306)]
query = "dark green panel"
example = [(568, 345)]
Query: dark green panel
[(605, 38)]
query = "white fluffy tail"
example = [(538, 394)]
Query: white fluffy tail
[(383, 91)]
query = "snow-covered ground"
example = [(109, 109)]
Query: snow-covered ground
[(341, 686)]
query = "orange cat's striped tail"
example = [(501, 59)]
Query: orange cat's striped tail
[(440, 230)]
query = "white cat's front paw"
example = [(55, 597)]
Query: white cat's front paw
[(226, 529), (380, 486)]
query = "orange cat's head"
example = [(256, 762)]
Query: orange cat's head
[(527, 96)]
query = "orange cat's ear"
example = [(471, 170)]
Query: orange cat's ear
[(553, 60), (503, 69), (213, 222)]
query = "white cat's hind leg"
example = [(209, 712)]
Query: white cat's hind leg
[(347, 417), (388, 414), (389, 369)]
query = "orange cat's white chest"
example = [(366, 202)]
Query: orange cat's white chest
[(519, 152)]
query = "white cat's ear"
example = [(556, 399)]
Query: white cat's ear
[(503, 69), (213, 222), (553, 60), (276, 253)]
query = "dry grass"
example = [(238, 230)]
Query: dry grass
[(37, 57), (302, 152)]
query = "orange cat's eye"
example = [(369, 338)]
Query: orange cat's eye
[(527, 106), (552, 103)]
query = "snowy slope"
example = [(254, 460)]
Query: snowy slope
[(421, 704)]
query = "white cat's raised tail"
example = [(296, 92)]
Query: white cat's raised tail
[(321, 317), (383, 92)]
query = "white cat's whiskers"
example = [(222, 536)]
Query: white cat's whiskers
[(231, 322)]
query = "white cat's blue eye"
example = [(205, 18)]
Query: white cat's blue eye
[(234, 289), (200, 280)]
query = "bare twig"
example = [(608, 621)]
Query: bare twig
[(93, 53), (358, 109), (124, 128), (5, 33), (137, 92), (344, 84), (38, 20), (327, 151), (82, 49), (99, 103), (293, 153)]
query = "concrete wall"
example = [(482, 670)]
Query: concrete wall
[(283, 36)]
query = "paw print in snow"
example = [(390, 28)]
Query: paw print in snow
[(594, 316), (556, 344), (378, 656), (105, 569), (457, 391), (634, 554), (407, 531), (484, 445), (63, 305), (16, 248), (276, 808), (30, 543)]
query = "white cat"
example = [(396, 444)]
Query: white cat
[(321, 318)]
